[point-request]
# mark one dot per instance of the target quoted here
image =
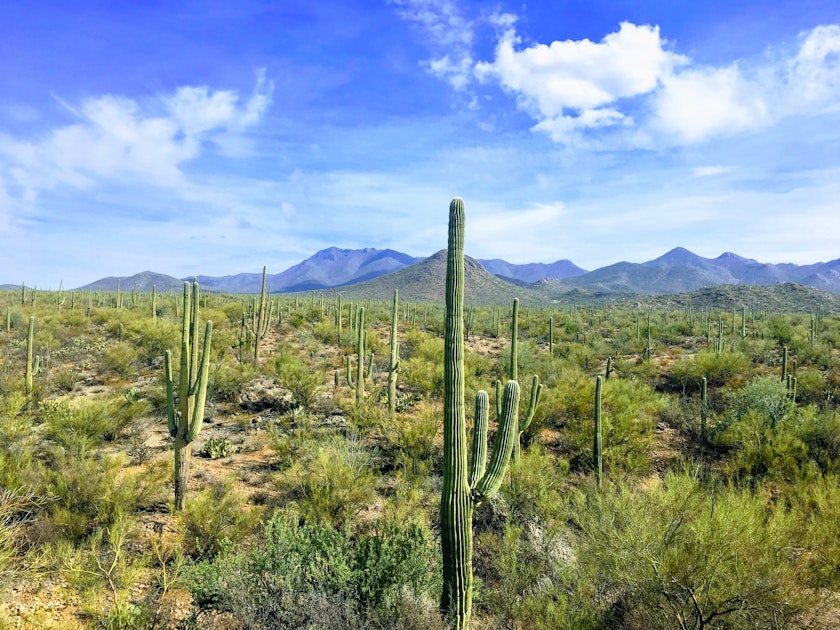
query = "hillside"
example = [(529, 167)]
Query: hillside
[(424, 282)]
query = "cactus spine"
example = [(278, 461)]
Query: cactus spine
[(394, 362), (459, 496), (185, 422), (598, 446)]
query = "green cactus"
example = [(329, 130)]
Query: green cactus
[(536, 390), (394, 361), (551, 336), (598, 446), (784, 363), (358, 383), (465, 487), (185, 422), (610, 369), (32, 365), (704, 407), (259, 324)]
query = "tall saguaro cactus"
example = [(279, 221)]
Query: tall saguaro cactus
[(185, 422), (597, 443), (32, 365), (260, 323), (465, 487), (394, 361), (358, 383)]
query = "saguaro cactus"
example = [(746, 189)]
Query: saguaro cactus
[(32, 365), (465, 488), (259, 326), (185, 422), (597, 455), (358, 383), (394, 361)]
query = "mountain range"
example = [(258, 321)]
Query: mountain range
[(679, 270)]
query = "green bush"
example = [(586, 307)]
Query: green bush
[(331, 480), (213, 519), (680, 551), (314, 576)]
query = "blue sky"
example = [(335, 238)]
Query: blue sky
[(217, 137)]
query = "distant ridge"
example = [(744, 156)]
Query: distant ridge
[(327, 268), (143, 281), (677, 271), (532, 272), (680, 270), (425, 281)]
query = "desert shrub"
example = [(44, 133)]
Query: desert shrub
[(711, 558), (155, 337), (331, 481), (528, 580), (532, 489), (814, 504), (630, 412), (310, 575), (410, 440), (81, 424), (92, 491), (820, 432), (214, 518), (226, 379), (303, 381), (120, 357), (719, 368)]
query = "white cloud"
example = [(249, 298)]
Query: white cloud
[(710, 171), (115, 137), (567, 84), (814, 74), (630, 83), (448, 34), (697, 104)]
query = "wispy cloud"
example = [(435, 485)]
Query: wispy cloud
[(117, 138), (448, 34)]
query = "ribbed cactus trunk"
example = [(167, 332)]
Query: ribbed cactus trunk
[(465, 487), (185, 423), (456, 508), (261, 325), (597, 449), (394, 362)]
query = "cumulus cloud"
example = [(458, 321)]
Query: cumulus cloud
[(571, 84), (632, 82), (115, 136)]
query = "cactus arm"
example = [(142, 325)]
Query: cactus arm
[(536, 390), (490, 483), (171, 418), (478, 456), (201, 385), (350, 382)]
